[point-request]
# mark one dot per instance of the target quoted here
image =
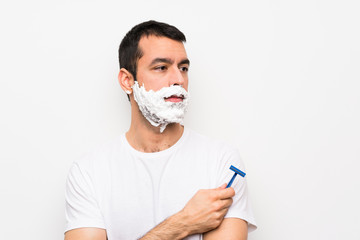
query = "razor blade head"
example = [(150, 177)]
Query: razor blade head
[(238, 171)]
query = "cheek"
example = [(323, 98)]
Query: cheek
[(186, 84), (149, 80)]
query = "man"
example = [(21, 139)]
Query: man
[(159, 180)]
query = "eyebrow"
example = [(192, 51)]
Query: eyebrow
[(185, 61), (161, 60), (168, 61)]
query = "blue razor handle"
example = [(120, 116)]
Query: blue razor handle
[(237, 171)]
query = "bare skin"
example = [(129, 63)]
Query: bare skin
[(229, 229), (86, 234), (204, 212), (164, 63)]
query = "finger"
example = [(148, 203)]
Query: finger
[(226, 203), (222, 186), (226, 193), (223, 212)]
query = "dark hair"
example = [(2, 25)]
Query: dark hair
[(129, 51)]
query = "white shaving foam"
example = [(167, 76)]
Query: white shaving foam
[(156, 110)]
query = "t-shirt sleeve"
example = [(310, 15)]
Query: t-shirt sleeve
[(81, 209), (241, 206)]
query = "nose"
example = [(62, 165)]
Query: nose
[(177, 77)]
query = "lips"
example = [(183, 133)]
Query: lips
[(174, 98)]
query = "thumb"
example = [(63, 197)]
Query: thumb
[(223, 186)]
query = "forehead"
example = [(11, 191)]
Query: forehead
[(154, 47)]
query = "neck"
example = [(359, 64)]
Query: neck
[(146, 138)]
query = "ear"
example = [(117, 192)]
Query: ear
[(126, 80)]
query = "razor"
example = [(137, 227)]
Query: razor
[(236, 172)]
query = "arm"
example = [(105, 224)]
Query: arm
[(86, 234), (81, 206), (230, 229), (204, 212)]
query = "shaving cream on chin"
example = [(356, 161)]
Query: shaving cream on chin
[(156, 110)]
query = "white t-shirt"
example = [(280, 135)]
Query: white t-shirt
[(128, 192)]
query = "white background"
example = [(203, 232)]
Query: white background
[(278, 79)]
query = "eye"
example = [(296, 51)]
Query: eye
[(184, 69), (161, 68)]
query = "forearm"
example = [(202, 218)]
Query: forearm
[(174, 227), (204, 212)]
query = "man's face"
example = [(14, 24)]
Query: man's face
[(164, 63)]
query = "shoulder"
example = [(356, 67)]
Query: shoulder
[(94, 167), (214, 151), (210, 143), (100, 154), (217, 155)]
